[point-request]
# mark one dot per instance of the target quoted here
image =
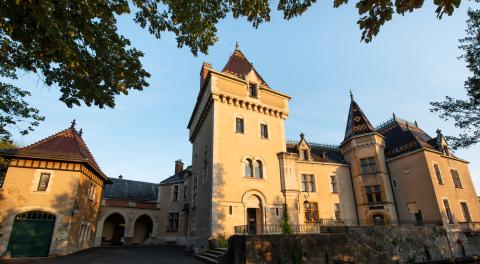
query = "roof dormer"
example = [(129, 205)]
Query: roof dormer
[(442, 143), (304, 149)]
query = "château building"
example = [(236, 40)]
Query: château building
[(245, 177)]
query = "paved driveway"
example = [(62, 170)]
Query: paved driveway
[(119, 255)]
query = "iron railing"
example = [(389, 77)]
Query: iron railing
[(332, 226)]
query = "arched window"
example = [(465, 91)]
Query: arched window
[(258, 169), (378, 219), (248, 168)]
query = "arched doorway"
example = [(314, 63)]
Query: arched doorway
[(142, 229), (254, 215), (378, 219), (113, 230), (31, 234)]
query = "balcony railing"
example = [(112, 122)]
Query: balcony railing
[(329, 226)]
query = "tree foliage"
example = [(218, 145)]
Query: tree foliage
[(75, 45), (466, 112)]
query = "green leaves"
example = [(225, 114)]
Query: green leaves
[(466, 113)]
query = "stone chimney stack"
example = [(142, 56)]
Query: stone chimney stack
[(206, 67), (178, 166)]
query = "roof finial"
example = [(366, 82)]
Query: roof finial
[(73, 123), (394, 116), (416, 124), (237, 46), (439, 131), (80, 132), (351, 95), (302, 135)]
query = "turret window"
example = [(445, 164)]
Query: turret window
[(239, 125), (264, 130), (248, 168), (367, 166), (258, 169), (252, 89), (373, 193), (253, 169)]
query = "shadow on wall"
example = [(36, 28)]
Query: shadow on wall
[(218, 183), (63, 237)]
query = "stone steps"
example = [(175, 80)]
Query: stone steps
[(212, 256)]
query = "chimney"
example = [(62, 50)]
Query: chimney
[(178, 166), (120, 177), (206, 67)]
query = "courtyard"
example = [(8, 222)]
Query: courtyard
[(119, 255)]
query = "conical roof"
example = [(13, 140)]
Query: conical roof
[(357, 122)]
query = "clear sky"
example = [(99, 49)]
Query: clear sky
[(316, 59)]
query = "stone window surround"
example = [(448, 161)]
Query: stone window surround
[(36, 179), (253, 159)]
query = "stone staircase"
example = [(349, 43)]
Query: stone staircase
[(212, 256)]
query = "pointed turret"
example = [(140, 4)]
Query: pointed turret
[(66, 145), (239, 66), (357, 122)]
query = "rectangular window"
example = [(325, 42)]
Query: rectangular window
[(175, 193), (308, 183), (91, 191), (369, 193), (304, 183), (239, 125), (311, 183), (378, 193), (263, 130), (43, 182), (367, 166), (173, 222), (252, 89), (333, 183), (311, 212), (456, 179), (466, 212), (305, 154), (338, 215), (438, 173), (194, 192), (448, 211)]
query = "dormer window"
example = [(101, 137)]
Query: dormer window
[(252, 90), (446, 151), (304, 154)]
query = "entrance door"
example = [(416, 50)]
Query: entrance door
[(31, 234), (252, 220)]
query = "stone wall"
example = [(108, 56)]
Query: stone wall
[(357, 245)]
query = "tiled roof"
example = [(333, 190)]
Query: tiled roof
[(319, 152), (131, 190), (403, 137), (66, 145), (239, 66), (179, 177), (357, 122)]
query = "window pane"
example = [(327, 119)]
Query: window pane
[(258, 169), (438, 173), (248, 168), (239, 125), (311, 182), (253, 90), (264, 130), (43, 182), (466, 212)]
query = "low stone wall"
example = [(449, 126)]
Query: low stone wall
[(357, 245)]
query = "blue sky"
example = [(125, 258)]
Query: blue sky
[(316, 58)]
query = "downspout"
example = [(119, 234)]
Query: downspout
[(393, 194), (354, 195)]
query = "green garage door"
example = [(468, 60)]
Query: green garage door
[(31, 234)]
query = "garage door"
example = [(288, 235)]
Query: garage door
[(31, 234)]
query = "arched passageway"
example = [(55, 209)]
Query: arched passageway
[(254, 214), (142, 229), (31, 234), (113, 230)]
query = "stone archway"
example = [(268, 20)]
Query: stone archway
[(142, 229), (113, 230)]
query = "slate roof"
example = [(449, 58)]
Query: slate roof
[(403, 137), (317, 151), (66, 145), (239, 66), (179, 177), (131, 190), (357, 122)]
